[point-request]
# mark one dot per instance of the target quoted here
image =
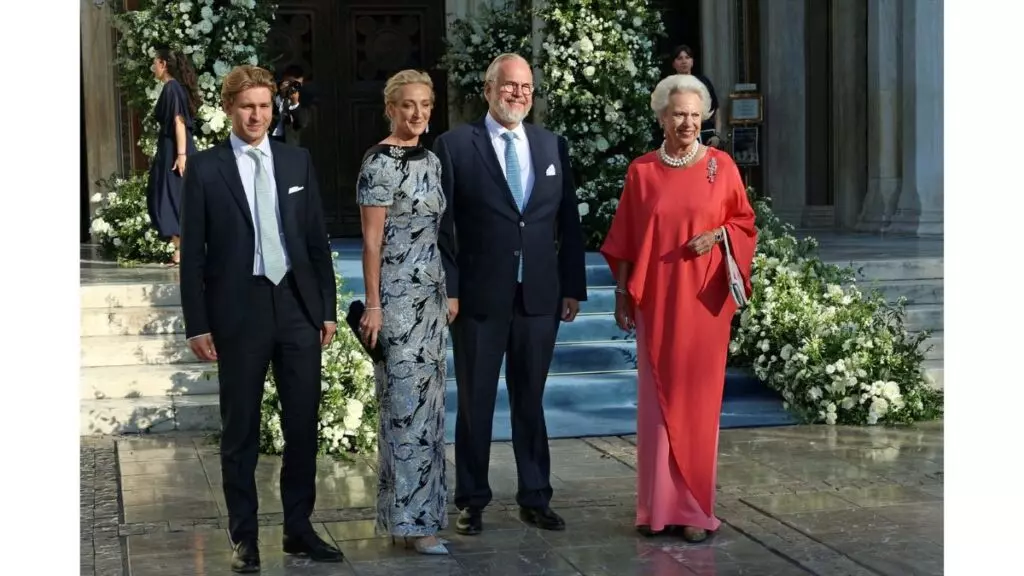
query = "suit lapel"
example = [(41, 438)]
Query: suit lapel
[(229, 171), (542, 155), (482, 141), (282, 177)]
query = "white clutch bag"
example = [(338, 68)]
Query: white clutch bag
[(739, 293)]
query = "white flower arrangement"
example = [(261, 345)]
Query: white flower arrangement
[(473, 42), (599, 68), (835, 355), (216, 36), (121, 223), (348, 406)]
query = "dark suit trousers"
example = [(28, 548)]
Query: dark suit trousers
[(479, 342), (275, 331)]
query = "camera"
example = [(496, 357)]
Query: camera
[(291, 87)]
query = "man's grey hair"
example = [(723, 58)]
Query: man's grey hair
[(680, 84), (492, 71)]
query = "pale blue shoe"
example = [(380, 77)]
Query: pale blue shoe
[(438, 549)]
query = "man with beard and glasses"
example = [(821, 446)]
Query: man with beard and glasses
[(513, 254)]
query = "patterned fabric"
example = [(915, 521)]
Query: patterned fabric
[(412, 495)]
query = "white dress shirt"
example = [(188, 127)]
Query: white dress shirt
[(495, 131), (247, 171)]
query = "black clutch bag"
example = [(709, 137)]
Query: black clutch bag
[(355, 314)]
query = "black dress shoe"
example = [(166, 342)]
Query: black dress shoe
[(245, 558), (470, 522), (313, 547), (543, 518)]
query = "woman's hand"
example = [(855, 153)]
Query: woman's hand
[(369, 326), (179, 165), (703, 243), (453, 309), (624, 310)]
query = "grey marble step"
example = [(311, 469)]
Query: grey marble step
[(915, 291), (922, 317), (120, 382), (132, 321)]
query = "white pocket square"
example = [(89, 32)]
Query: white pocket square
[(551, 170), (295, 189)]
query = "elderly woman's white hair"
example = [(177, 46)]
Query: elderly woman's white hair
[(680, 84)]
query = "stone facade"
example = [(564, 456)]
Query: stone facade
[(886, 136)]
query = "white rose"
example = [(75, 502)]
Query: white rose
[(589, 71)]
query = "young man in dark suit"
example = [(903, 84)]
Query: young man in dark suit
[(258, 289), (513, 251)]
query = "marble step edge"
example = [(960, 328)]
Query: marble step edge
[(168, 320), (122, 294)]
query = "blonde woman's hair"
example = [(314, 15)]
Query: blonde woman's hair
[(404, 78), (242, 78), (680, 84)]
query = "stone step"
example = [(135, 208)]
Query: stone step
[(101, 382), (128, 295), (922, 317), (915, 291), (897, 268), (132, 321), (134, 350), (575, 405)]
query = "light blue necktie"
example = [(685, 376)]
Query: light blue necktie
[(271, 250), (515, 181)]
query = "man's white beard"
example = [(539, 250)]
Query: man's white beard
[(509, 116)]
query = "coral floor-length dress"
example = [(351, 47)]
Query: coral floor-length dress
[(684, 314)]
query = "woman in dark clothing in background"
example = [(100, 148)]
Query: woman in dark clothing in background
[(681, 58), (175, 110)]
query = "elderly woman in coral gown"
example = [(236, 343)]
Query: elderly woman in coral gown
[(680, 204)]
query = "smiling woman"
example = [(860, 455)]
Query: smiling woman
[(679, 203)]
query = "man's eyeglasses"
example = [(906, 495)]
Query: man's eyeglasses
[(511, 87)]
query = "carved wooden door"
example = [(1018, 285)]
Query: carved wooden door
[(348, 50)]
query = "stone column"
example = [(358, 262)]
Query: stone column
[(883, 114), (718, 50), (783, 83), (849, 109), (920, 206), (101, 97)]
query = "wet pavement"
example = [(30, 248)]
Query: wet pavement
[(793, 500)]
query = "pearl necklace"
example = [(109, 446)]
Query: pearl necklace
[(678, 162)]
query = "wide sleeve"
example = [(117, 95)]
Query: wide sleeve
[(625, 237), (175, 103), (739, 224), (377, 181)]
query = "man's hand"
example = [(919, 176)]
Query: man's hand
[(453, 309), (570, 308), (202, 347), (327, 332)]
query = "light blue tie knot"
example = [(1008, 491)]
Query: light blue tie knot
[(270, 249)]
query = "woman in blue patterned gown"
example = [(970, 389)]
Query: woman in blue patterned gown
[(407, 311)]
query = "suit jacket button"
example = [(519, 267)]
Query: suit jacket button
[(516, 253), (521, 223)]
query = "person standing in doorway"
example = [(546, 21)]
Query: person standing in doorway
[(175, 110), (258, 290), (711, 127), (513, 252)]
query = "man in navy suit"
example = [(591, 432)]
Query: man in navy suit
[(257, 288), (513, 253)]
